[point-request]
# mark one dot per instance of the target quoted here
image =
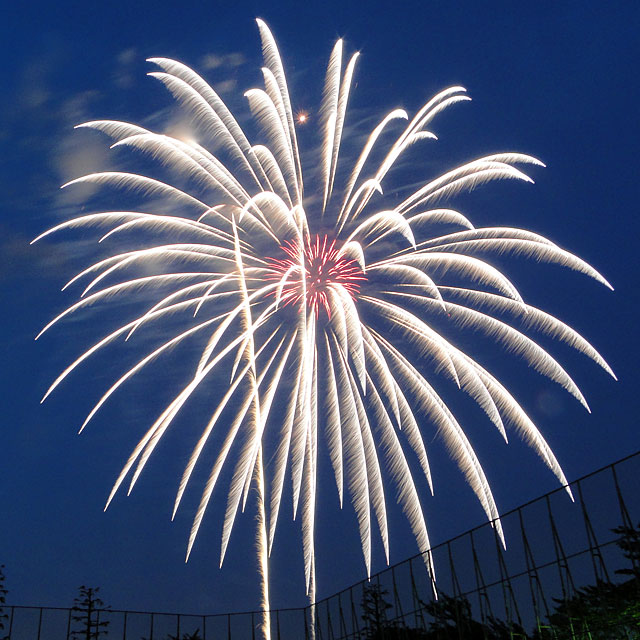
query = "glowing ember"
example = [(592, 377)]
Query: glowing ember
[(325, 269)]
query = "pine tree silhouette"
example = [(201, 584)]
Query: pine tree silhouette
[(88, 607)]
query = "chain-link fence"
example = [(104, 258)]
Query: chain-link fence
[(570, 569)]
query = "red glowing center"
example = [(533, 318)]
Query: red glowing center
[(325, 270)]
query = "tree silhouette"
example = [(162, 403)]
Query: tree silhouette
[(605, 610), (629, 542), (377, 625), (374, 608), (452, 619), (89, 605)]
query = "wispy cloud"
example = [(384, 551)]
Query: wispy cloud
[(123, 75), (228, 61)]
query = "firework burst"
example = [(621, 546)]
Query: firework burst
[(292, 295), (325, 269)]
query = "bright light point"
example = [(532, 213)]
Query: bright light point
[(302, 117)]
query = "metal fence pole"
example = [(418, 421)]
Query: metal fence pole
[(355, 625), (11, 621), (601, 575), (481, 588), (535, 585), (509, 598), (396, 598), (457, 593), (418, 605), (343, 620)]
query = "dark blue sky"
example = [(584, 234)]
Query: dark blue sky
[(556, 80)]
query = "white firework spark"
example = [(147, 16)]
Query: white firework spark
[(326, 306)]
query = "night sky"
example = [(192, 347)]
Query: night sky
[(555, 80)]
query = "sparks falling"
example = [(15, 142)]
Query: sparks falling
[(286, 295)]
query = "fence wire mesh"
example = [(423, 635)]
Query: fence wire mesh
[(570, 570)]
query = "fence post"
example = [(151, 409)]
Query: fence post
[(396, 597), (566, 579), (330, 634), (508, 596), (624, 512), (418, 605), (535, 586), (483, 597), (457, 593), (594, 547), (343, 622), (354, 616), (11, 622)]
